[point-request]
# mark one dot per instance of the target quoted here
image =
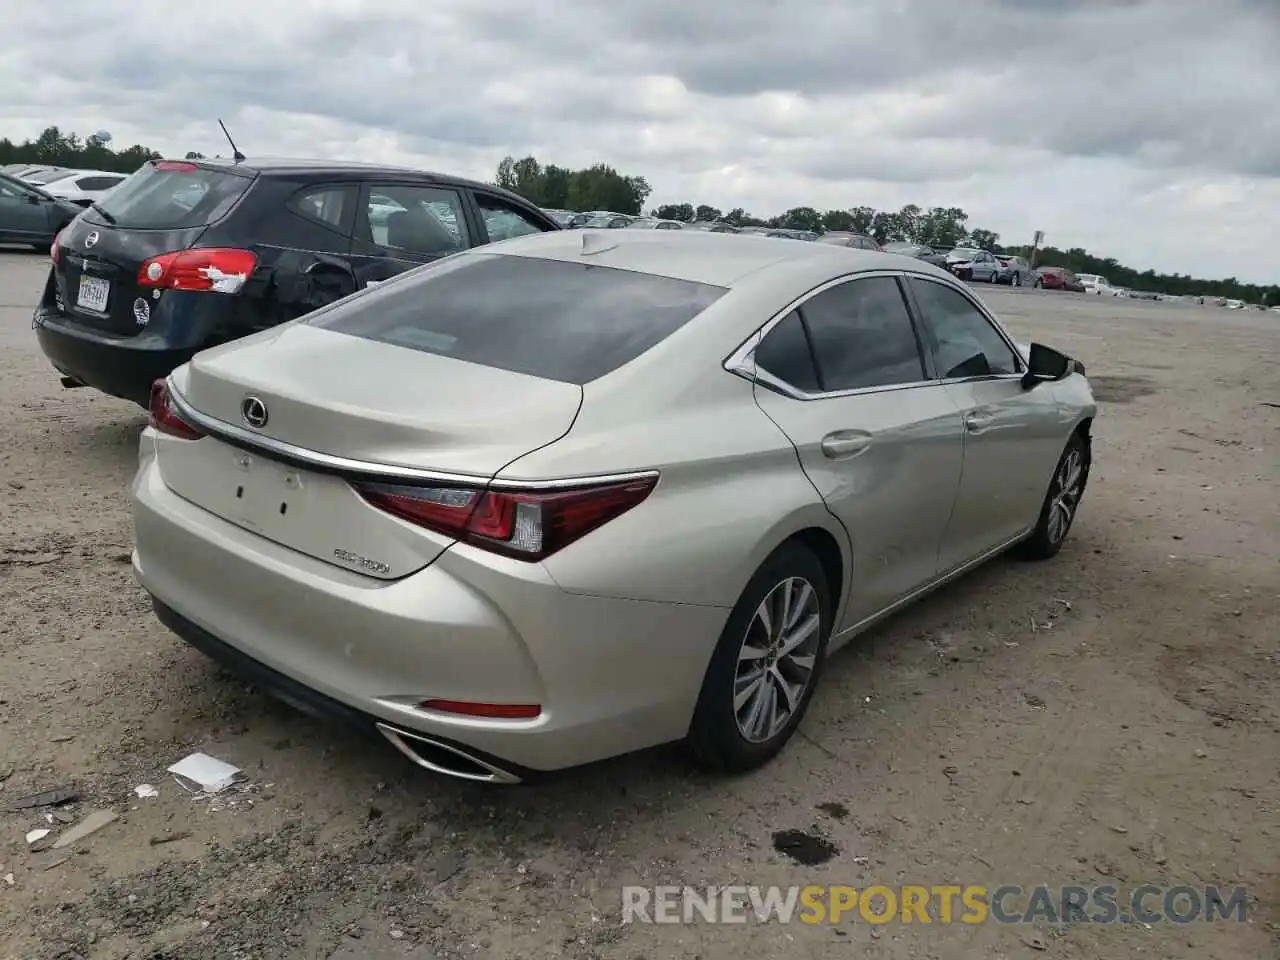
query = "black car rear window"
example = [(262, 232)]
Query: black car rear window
[(572, 322), (171, 195)]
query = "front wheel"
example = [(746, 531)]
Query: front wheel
[(766, 664), (1061, 502), (1039, 284)]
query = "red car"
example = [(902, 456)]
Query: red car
[(1058, 278)]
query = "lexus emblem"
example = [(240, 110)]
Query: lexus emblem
[(254, 412), (91, 239)]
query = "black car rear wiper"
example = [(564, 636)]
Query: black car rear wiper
[(97, 208)]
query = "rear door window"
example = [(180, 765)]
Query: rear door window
[(171, 195), (862, 336), (785, 355), (330, 204), (572, 322), (423, 221)]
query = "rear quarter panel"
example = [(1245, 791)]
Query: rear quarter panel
[(731, 491)]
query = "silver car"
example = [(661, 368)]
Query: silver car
[(970, 264), (613, 489)]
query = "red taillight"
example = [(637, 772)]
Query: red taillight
[(211, 270), (55, 248), (492, 711), (165, 416), (528, 525), (176, 166)]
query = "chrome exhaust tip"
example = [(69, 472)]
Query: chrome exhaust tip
[(442, 758)]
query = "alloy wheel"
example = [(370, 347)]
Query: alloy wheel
[(776, 660), (1068, 485)]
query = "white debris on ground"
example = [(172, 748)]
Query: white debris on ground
[(205, 773)]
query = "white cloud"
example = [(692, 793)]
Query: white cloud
[(1139, 129)]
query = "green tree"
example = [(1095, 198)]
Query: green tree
[(941, 227), (68, 150), (599, 187), (706, 214), (861, 219), (985, 239), (506, 174), (683, 212), (528, 177), (838, 220), (555, 186), (800, 218), (886, 227)]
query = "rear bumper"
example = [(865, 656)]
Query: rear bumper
[(311, 702), (611, 676), (123, 367)]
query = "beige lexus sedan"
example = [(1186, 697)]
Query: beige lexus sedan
[(580, 493)]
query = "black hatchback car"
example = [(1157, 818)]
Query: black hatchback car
[(188, 254)]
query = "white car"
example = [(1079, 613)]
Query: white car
[(83, 187), (1096, 283), (31, 173)]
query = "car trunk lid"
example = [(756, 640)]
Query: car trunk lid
[(338, 406), (96, 273), (163, 208)]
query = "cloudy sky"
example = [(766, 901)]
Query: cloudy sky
[(1146, 130)]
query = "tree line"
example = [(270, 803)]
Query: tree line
[(602, 187), (57, 149)]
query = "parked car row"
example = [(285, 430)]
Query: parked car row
[(968, 263), (80, 187), (1057, 278)]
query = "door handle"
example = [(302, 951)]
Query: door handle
[(976, 421), (845, 443)]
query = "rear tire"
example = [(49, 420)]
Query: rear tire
[(768, 660), (1039, 284), (1015, 280), (1061, 502)]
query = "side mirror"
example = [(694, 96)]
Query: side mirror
[(34, 199), (1045, 365)]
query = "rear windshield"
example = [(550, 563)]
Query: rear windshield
[(571, 322), (171, 196)]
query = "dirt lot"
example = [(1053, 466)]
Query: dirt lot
[(1110, 716)]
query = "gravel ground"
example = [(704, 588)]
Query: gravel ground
[(1109, 716)]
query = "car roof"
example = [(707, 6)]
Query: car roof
[(719, 259), (77, 174), (285, 166)]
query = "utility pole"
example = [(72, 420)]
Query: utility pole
[(1035, 246)]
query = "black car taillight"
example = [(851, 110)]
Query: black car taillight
[(209, 270)]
